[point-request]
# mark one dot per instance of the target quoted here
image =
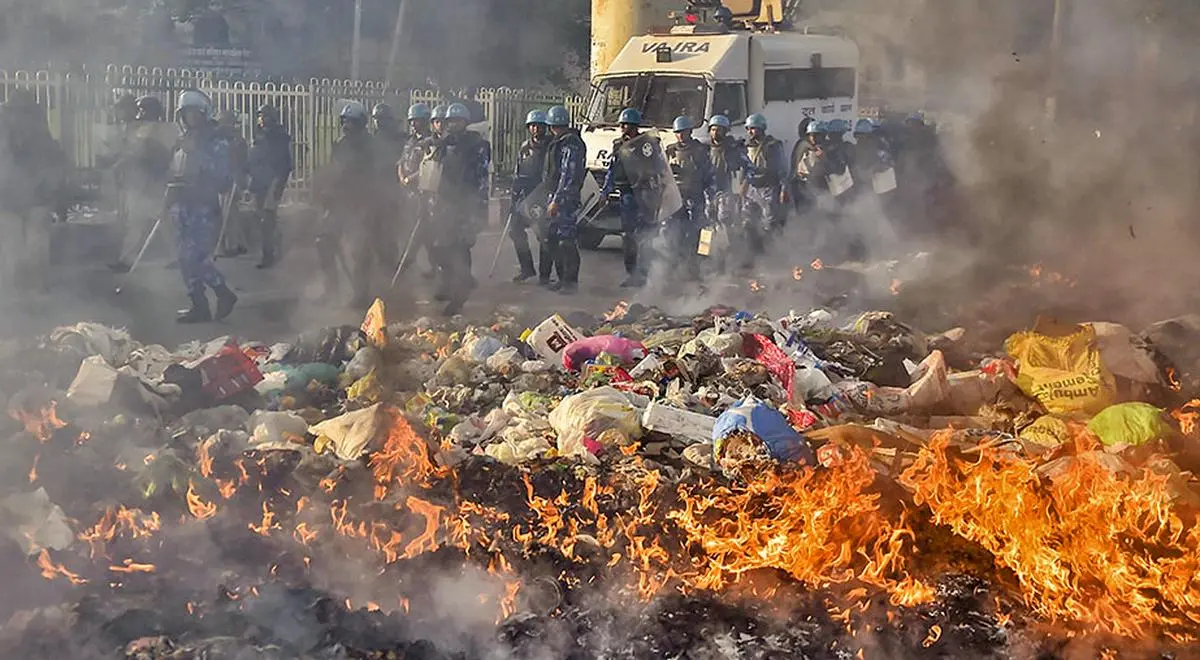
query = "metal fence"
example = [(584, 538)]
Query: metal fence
[(79, 109)]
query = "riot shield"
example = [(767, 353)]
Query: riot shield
[(589, 196), (650, 177), (533, 205)]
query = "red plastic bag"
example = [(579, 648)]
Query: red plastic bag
[(762, 349), (227, 373)]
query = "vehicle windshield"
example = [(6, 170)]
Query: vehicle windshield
[(661, 98)]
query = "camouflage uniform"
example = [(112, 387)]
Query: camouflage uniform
[(200, 171), (566, 166)]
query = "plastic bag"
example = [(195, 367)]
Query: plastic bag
[(1130, 424), (507, 360), (1064, 372), (781, 441), (276, 428), (584, 350), (1046, 433), (329, 345), (364, 362), (374, 325), (581, 418), (349, 434)]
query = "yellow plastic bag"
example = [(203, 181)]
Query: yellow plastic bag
[(1130, 424), (1062, 371), (1047, 432), (374, 325)]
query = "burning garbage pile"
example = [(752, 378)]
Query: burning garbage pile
[(633, 485)]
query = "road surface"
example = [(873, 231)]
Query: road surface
[(277, 304)]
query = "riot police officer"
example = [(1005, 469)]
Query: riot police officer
[(566, 167), (229, 128), (32, 174), (438, 120), (346, 188), (387, 130), (200, 171), (636, 225), (830, 170), (458, 204), (413, 209), (692, 167), (728, 158), (270, 166), (142, 169), (767, 191), (531, 165)]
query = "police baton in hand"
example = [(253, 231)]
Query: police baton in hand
[(226, 211), (512, 212), (412, 239)]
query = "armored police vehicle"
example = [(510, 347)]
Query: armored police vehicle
[(706, 65)]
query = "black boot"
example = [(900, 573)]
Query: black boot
[(270, 240), (226, 299), (199, 311), (567, 264)]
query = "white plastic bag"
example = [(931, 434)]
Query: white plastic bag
[(580, 420)]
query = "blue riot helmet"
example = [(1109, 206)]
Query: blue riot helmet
[(558, 116), (756, 121), (458, 111), (457, 116), (353, 116), (535, 122), (631, 116), (836, 126), (719, 120), (815, 128), (438, 116), (419, 112), (682, 124), (193, 108), (864, 127)]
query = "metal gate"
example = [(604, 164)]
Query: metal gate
[(79, 109)]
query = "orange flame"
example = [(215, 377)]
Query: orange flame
[(133, 523), (1187, 416), (895, 287), (425, 541), (51, 570), (819, 527), (200, 509), (203, 460), (225, 488), (33, 469), (817, 264), (405, 456), (303, 534), (797, 273), (755, 286), (268, 522), (41, 424), (620, 311), (129, 566), (1108, 552), (1173, 380)]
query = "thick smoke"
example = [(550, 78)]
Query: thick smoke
[(1101, 190), (1072, 144)]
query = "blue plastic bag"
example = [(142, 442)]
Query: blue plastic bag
[(782, 442)]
